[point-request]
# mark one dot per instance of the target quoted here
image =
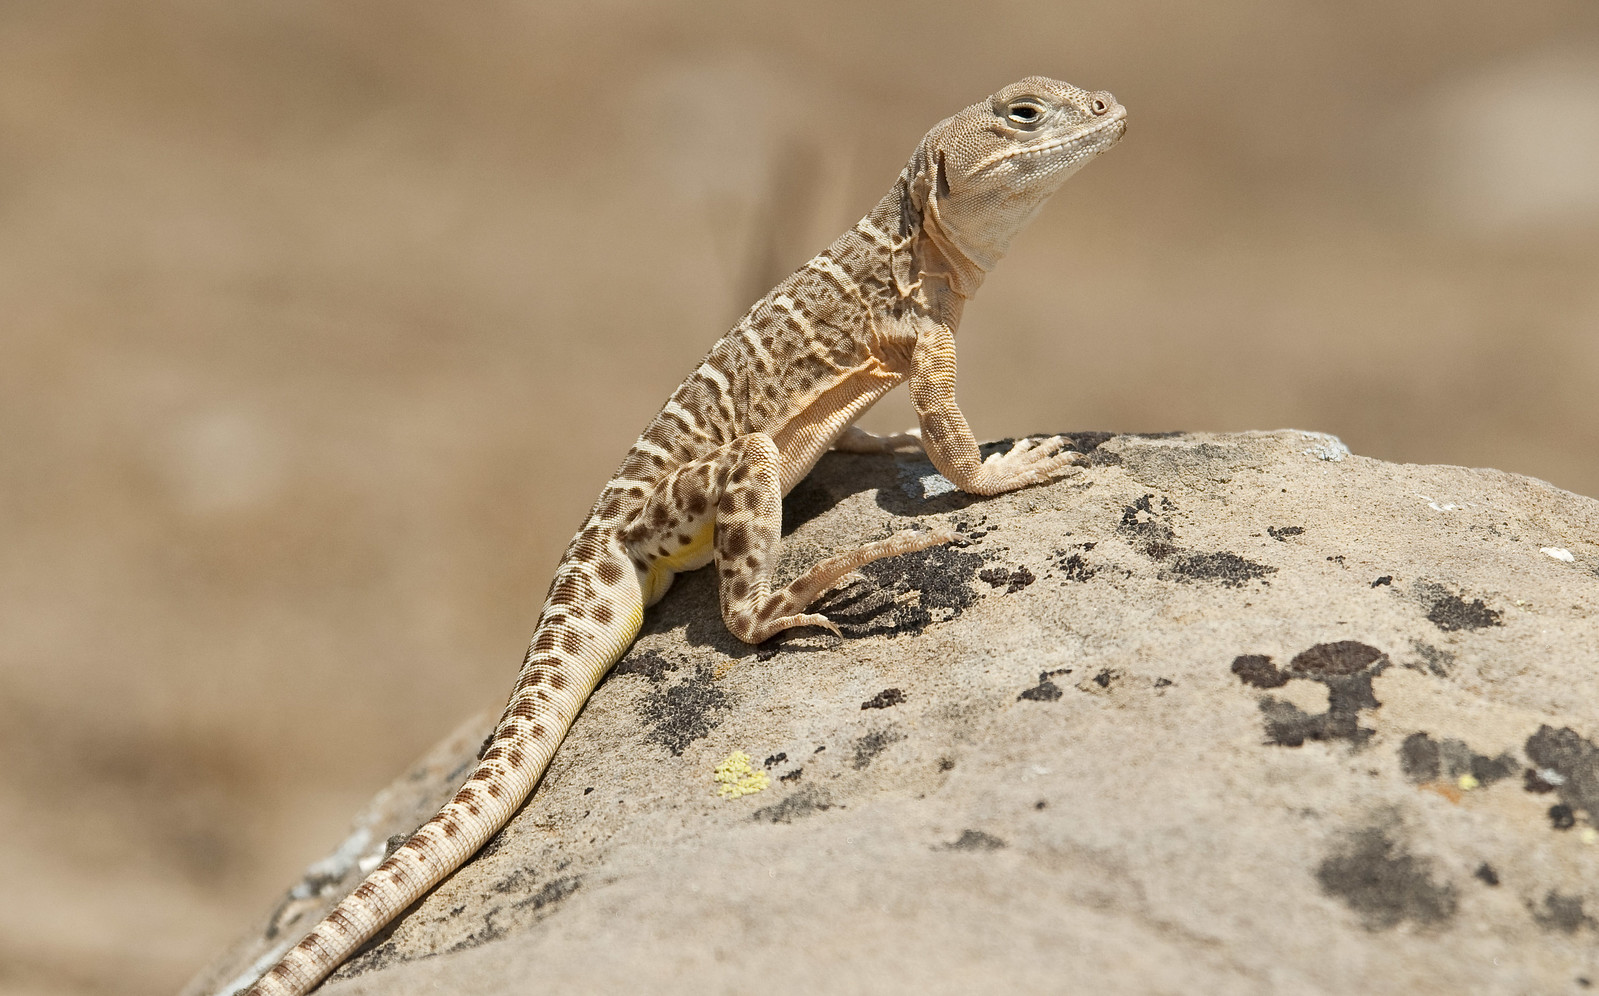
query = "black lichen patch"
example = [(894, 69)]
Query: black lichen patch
[(775, 760), (1257, 670), (970, 531), (1450, 611), (1485, 873), (1346, 668), (385, 950), (550, 893), (677, 715), (1090, 443), (873, 744), (647, 664), (1384, 884), (1073, 566), (1230, 569), (1045, 690), (973, 840), (885, 699), (1563, 913), (1435, 661), (1289, 726), (792, 776), (1534, 782), (1568, 763), (1423, 759), (1149, 531), (1418, 758), (1326, 660), (1104, 679), (1386, 579), (1011, 581), (1562, 817), (1281, 533), (904, 594), (808, 801)]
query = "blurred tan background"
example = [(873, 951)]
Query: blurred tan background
[(322, 323)]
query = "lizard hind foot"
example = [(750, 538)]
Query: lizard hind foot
[(777, 626)]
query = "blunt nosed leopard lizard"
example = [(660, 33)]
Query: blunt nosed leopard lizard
[(706, 478)]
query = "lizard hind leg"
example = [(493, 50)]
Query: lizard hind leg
[(749, 519)]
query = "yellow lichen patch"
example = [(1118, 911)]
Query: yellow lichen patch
[(1468, 782), (735, 777)]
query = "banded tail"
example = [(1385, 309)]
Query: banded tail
[(593, 612)]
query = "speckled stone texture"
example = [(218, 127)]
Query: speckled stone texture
[(1223, 713)]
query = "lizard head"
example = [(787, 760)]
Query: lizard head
[(978, 177)]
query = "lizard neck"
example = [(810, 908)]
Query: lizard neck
[(942, 257), (928, 271)]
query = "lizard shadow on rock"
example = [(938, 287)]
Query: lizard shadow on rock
[(897, 495), (694, 604), (863, 610), (836, 477)]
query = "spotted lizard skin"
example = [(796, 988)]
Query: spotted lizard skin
[(706, 478)]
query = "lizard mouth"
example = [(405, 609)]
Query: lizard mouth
[(1116, 121)]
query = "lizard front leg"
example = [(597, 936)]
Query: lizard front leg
[(948, 439), (741, 482)]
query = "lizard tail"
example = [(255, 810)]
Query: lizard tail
[(593, 612)]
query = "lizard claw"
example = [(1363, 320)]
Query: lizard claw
[(813, 619)]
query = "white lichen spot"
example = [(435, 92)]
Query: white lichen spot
[(934, 485), (1324, 446), (736, 777), (1560, 553), (1439, 505), (919, 479)]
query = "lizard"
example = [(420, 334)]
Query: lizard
[(706, 478)]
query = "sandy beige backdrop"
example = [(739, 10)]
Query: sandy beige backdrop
[(321, 324)]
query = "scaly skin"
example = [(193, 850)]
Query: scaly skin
[(706, 478)]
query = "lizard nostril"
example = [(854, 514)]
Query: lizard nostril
[(1099, 105)]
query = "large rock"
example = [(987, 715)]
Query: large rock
[(1223, 713)]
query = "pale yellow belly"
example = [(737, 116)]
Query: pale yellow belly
[(694, 554)]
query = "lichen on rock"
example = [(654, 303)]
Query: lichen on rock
[(1220, 713)]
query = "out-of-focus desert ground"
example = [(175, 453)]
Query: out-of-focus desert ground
[(321, 325)]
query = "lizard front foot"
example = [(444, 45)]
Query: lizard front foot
[(1028, 462)]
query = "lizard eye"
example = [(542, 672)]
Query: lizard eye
[(1025, 112)]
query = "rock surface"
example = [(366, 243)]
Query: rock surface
[(1223, 713)]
